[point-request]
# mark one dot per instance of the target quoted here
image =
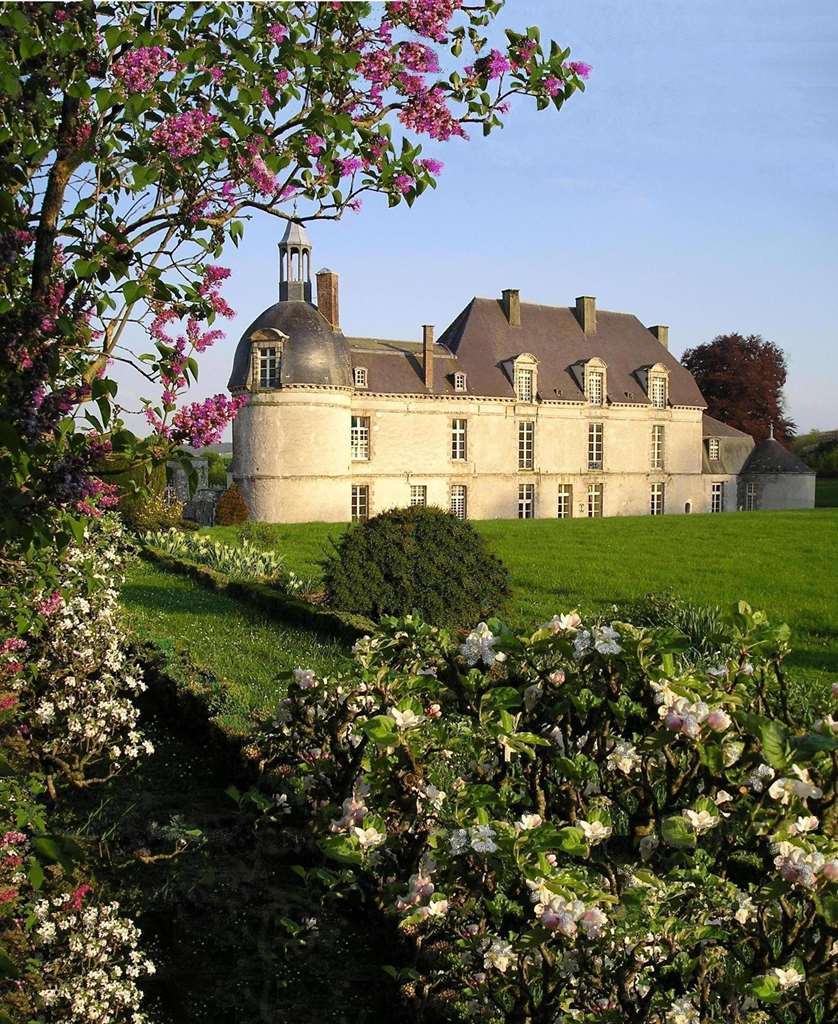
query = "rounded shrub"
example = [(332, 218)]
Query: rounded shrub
[(231, 509), (416, 559)]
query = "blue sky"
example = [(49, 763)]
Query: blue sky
[(693, 184)]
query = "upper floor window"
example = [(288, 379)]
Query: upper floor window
[(268, 368), (526, 444), (595, 445), (595, 381), (714, 447), (657, 390), (656, 454), (565, 510), (458, 440), (360, 375), (460, 382), (656, 500), (524, 377), (458, 501), (717, 497), (418, 494), (360, 502), (526, 501), (359, 437), (595, 492)]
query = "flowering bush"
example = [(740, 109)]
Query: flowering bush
[(577, 824), (65, 669), (240, 561)]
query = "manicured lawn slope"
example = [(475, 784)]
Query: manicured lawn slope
[(235, 642), (784, 562)]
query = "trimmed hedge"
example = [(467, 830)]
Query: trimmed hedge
[(339, 625), (416, 559), (232, 508)]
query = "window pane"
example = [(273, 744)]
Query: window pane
[(526, 444), (459, 382), (360, 377), (714, 449), (717, 497), (594, 500), (656, 502), (656, 459), (360, 502), (524, 384), (359, 437), (594, 381), (458, 501), (595, 445), (418, 494), (526, 501), (458, 439), (657, 391), (268, 368), (565, 509)]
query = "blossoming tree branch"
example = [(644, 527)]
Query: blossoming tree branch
[(137, 140)]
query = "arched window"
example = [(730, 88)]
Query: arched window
[(360, 375), (525, 377), (657, 385), (460, 382), (596, 382)]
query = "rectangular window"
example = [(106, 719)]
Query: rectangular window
[(459, 382), (714, 449), (523, 384), (717, 497), (656, 460), (360, 503), (418, 494), (526, 443), (458, 501), (656, 500), (565, 510), (657, 391), (595, 438), (360, 376), (595, 501), (268, 368), (750, 497), (359, 437), (593, 378), (526, 501), (458, 439)]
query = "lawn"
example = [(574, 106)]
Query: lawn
[(784, 562), (237, 643)]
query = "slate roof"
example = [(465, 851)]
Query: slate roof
[(396, 367), (771, 457), (715, 428), (484, 343)]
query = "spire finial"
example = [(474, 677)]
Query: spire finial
[(771, 431)]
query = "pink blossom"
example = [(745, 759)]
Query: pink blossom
[(139, 69), (355, 205), (418, 57), (496, 64), (553, 85), (578, 68), (51, 604), (428, 18), (13, 838), (14, 643), (97, 496), (404, 183), (216, 74), (315, 144), (432, 166), (183, 134), (202, 423), (77, 899), (279, 33), (348, 166), (7, 701), (7, 895), (427, 112), (281, 77)]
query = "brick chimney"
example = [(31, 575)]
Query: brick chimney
[(327, 297), (511, 300), (661, 332), (586, 313), (428, 355)]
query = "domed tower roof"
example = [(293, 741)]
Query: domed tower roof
[(771, 457), (295, 234)]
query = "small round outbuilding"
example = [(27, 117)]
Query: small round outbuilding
[(775, 478)]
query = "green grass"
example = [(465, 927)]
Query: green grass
[(826, 492), (237, 643), (783, 562)]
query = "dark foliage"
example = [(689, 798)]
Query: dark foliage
[(742, 379), (416, 559), (231, 509)]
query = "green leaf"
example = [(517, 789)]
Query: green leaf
[(677, 833), (36, 873), (381, 730), (341, 849), (8, 968), (572, 840), (132, 290)]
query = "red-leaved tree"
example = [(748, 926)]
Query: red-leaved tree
[(742, 380)]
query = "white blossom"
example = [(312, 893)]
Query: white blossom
[(702, 821), (498, 956), (595, 832), (480, 646), (407, 719)]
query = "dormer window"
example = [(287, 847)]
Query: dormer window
[(360, 376), (657, 385), (460, 382), (595, 382), (525, 377), (714, 447), (268, 367)]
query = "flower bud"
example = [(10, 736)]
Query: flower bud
[(718, 720), (673, 721)]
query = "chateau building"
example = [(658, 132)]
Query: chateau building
[(517, 410)]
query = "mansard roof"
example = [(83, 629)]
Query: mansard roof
[(771, 457), (396, 367), (715, 428), (484, 342), (314, 353)]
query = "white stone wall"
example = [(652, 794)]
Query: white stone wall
[(784, 490), (292, 455)]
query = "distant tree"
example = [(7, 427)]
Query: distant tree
[(742, 379)]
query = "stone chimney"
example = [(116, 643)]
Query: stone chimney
[(428, 355), (327, 297), (661, 332), (512, 306), (586, 313)]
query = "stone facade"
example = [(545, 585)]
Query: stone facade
[(339, 426)]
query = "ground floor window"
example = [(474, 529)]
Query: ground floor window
[(458, 501), (565, 510), (526, 501), (750, 497), (717, 497), (656, 500), (595, 500), (360, 503), (418, 494)]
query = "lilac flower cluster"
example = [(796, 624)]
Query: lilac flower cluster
[(183, 134), (427, 18), (139, 69), (200, 423)]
